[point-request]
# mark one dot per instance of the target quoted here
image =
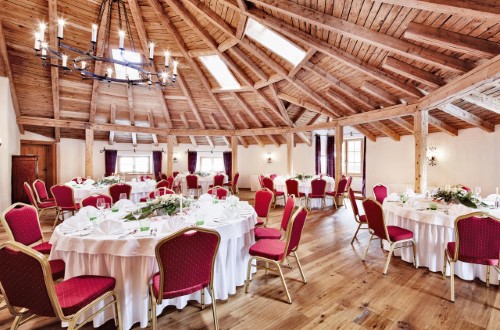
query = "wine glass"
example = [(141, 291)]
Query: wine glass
[(137, 212), (478, 192), (78, 180), (123, 196), (100, 203)]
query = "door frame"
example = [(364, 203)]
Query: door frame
[(52, 149)]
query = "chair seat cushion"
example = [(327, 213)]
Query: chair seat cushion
[(71, 208), (279, 193), (77, 292), (473, 260), (311, 195), (143, 200), (57, 268), (362, 218), (199, 187), (333, 193), (176, 293), (48, 204), (301, 194), (398, 234), (48, 200), (43, 248), (260, 222), (267, 233), (229, 183), (268, 248)]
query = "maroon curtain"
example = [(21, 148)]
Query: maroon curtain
[(192, 155), (110, 161), (228, 163), (364, 168), (157, 164), (318, 154), (330, 156)]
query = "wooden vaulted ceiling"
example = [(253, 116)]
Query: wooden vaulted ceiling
[(362, 55)]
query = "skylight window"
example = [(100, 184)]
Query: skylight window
[(220, 72), (121, 71), (273, 41)]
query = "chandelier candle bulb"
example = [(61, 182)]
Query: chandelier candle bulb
[(94, 33), (42, 32), (65, 60), (37, 41), (121, 44), (60, 28), (110, 73), (164, 78), (167, 58), (151, 50), (44, 50), (175, 68)]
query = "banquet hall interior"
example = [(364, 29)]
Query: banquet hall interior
[(238, 164)]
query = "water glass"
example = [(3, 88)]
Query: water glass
[(92, 217), (144, 224), (123, 196), (100, 203), (433, 206), (137, 212), (200, 219)]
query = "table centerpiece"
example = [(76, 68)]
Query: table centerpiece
[(166, 204), (458, 195)]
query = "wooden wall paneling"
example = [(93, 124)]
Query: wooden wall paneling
[(24, 169)]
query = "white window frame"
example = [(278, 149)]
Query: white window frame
[(220, 72), (134, 157), (345, 157), (212, 164)]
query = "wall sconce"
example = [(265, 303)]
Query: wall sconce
[(269, 158), (431, 156), (175, 158)]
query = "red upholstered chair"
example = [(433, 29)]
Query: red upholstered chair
[(163, 184), (273, 233), (92, 200), (65, 201), (145, 177), (380, 192), (339, 193), (233, 185), (292, 188), (274, 252), (220, 192), (273, 176), (21, 224), (261, 182), (318, 191), (170, 181), (119, 188), (392, 234), (186, 262), (76, 179), (192, 183), (160, 191), (175, 174), (269, 184), (347, 187), (163, 176), (40, 191), (40, 207), (28, 287), (477, 241), (360, 219), (262, 205), (218, 181)]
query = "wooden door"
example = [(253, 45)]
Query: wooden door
[(24, 169), (41, 152), (47, 161)]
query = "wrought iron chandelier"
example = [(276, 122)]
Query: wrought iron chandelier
[(86, 60)]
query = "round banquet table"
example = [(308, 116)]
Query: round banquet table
[(305, 187), (139, 190), (203, 181), (432, 231), (132, 262)]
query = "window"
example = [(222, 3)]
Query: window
[(353, 157), (134, 164), (220, 72), (273, 41), (322, 170), (121, 72), (211, 164)]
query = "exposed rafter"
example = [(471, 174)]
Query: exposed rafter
[(407, 70), (484, 101), (151, 121), (186, 125), (131, 112)]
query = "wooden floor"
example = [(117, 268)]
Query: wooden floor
[(342, 292)]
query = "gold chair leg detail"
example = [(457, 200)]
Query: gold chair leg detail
[(415, 259), (356, 233), (444, 265), (452, 282), (488, 269), (267, 268), (282, 277), (367, 247), (389, 258), (300, 268), (247, 281), (214, 310), (154, 324), (203, 298), (16, 322)]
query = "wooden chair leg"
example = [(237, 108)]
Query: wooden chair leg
[(214, 310), (202, 298), (56, 219), (488, 269), (367, 247), (389, 258), (356, 233), (118, 313), (154, 322), (300, 268), (282, 277), (415, 259), (452, 282), (444, 265), (247, 281)]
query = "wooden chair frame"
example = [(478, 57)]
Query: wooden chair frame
[(61, 212), (35, 199), (38, 199), (356, 217)]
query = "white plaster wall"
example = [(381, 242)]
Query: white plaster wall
[(9, 134)]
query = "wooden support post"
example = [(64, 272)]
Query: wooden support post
[(89, 149), (234, 154), (289, 153), (170, 155), (421, 124), (339, 139)]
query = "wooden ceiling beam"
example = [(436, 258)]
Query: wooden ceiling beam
[(271, 80), (442, 126), (406, 70), (483, 101), (369, 135), (453, 41), (217, 126), (299, 115), (238, 53), (227, 44), (4, 57), (112, 121), (152, 124), (366, 35), (309, 54), (467, 117), (483, 9), (186, 125), (379, 93), (130, 102), (403, 123), (54, 70), (245, 125), (301, 103)]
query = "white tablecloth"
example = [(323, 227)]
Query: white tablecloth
[(432, 231), (131, 261), (203, 181), (305, 187), (139, 190)]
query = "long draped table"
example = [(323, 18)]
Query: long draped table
[(432, 231), (139, 190), (132, 262)]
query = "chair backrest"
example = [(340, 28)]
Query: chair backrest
[(268, 183), (354, 205), (294, 230), (186, 259), (92, 200), (375, 218), (175, 173), (162, 191), (348, 183), (220, 192), (273, 176), (119, 188), (235, 180), (218, 180), (263, 200), (260, 181), (192, 181), (31, 195), (287, 212), (477, 235), (342, 185), (40, 190), (163, 176), (163, 184), (21, 223), (380, 192), (170, 181), (63, 196), (318, 187), (292, 187), (82, 179), (145, 177), (26, 280)]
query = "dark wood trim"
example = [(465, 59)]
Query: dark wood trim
[(52, 154)]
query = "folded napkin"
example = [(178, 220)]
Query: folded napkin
[(233, 200), (172, 225), (76, 222), (205, 198), (89, 182), (229, 214), (110, 227), (459, 209), (393, 197), (412, 202), (124, 203)]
